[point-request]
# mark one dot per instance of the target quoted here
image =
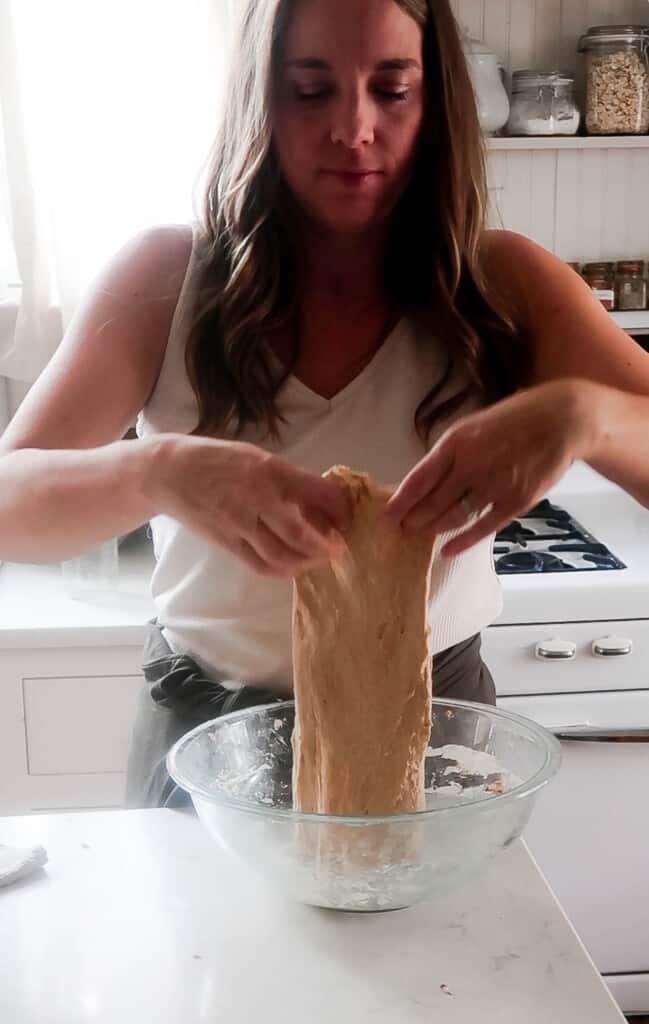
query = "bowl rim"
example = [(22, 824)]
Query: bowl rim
[(545, 773)]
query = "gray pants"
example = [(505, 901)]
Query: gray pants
[(177, 696)]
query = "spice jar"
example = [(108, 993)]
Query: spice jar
[(617, 79), (630, 285), (543, 103), (601, 279)]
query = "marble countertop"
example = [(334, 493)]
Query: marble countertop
[(140, 917)]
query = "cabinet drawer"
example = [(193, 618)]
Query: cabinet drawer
[(79, 724)]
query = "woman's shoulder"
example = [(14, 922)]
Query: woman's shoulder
[(519, 268), (145, 277), (164, 249), (506, 253), (149, 267)]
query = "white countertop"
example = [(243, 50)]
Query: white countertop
[(139, 917), (36, 609)]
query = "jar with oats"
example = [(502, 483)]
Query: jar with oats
[(617, 79)]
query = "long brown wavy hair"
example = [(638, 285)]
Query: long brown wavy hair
[(246, 274)]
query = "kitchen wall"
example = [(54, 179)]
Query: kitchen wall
[(5, 403), (536, 33), (581, 203), (12, 393)]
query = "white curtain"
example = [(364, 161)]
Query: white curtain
[(108, 108)]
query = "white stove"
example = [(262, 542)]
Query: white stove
[(571, 651), (589, 591)]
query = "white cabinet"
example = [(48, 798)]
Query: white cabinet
[(70, 673), (78, 724), (66, 716)]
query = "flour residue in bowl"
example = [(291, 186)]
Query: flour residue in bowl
[(454, 771), (453, 774)]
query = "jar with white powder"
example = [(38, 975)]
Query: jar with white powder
[(543, 103), (617, 79)]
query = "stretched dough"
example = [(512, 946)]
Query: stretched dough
[(361, 668)]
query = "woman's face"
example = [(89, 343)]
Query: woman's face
[(348, 109)]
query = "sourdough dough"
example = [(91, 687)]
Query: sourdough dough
[(361, 668)]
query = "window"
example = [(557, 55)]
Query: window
[(109, 113)]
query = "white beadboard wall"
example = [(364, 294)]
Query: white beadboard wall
[(582, 204), (542, 33)]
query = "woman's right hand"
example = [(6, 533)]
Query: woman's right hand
[(256, 505)]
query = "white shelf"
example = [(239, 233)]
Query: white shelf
[(570, 142), (634, 323)]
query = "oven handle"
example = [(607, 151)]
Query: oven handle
[(601, 734)]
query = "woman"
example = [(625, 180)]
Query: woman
[(340, 301)]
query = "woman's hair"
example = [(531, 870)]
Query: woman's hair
[(246, 274)]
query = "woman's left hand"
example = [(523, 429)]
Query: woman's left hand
[(495, 464)]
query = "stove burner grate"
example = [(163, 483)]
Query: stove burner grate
[(549, 539), (529, 561)]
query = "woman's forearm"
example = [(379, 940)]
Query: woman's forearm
[(617, 443), (57, 504)]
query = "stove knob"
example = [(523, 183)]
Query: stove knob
[(612, 647), (556, 650)]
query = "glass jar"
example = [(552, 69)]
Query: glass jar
[(630, 285), (94, 572), (543, 103), (601, 279), (617, 79), (486, 71)]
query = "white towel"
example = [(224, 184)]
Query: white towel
[(16, 862)]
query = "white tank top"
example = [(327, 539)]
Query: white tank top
[(237, 624)]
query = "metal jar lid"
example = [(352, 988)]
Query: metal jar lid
[(530, 79), (601, 35), (596, 273), (630, 267)]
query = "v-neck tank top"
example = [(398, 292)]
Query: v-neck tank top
[(216, 609)]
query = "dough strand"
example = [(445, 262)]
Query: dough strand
[(362, 671)]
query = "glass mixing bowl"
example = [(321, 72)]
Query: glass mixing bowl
[(484, 768)]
